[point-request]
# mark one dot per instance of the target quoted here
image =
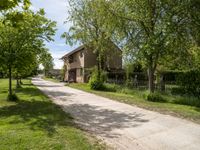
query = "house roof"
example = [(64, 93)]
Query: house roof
[(74, 51), (79, 49)]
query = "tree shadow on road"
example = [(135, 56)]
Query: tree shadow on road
[(101, 121)]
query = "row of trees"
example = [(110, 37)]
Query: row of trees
[(160, 34), (22, 36)]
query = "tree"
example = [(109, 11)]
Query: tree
[(47, 61), (89, 28), (8, 4), (22, 34), (149, 29)]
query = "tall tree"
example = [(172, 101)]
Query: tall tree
[(89, 28), (19, 33), (149, 29)]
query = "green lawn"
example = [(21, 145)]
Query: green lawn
[(36, 123), (138, 98)]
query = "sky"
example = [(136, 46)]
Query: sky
[(56, 10)]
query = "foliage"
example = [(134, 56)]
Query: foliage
[(190, 101), (9, 4), (160, 34), (22, 36), (47, 61), (96, 82), (178, 91), (89, 28), (147, 32), (190, 82), (170, 76), (155, 97)]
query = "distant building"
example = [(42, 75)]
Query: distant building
[(79, 61)]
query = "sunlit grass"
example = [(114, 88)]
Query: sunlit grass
[(34, 122)]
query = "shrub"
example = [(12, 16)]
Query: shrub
[(191, 101), (129, 83), (170, 76), (111, 87), (96, 83), (155, 97), (190, 82), (12, 97), (177, 90)]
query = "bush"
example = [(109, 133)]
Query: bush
[(178, 90), (12, 97), (170, 76), (155, 97), (111, 87), (191, 101), (190, 82), (96, 83)]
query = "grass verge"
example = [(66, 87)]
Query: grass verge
[(138, 98), (34, 122)]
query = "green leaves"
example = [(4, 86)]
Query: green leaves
[(22, 36), (9, 4)]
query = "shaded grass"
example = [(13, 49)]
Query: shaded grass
[(34, 122), (138, 98)]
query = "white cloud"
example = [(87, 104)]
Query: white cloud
[(56, 56)]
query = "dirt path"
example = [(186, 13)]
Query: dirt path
[(122, 126)]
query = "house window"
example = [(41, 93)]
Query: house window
[(71, 59), (81, 54)]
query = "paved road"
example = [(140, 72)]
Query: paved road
[(122, 126)]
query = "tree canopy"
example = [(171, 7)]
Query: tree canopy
[(22, 36), (9, 4), (151, 31)]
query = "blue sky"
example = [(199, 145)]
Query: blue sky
[(56, 10)]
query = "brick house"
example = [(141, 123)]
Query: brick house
[(78, 62)]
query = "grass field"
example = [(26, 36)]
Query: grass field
[(35, 123), (138, 98)]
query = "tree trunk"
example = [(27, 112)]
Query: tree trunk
[(10, 81), (99, 71), (20, 80), (162, 83), (98, 66), (151, 79), (17, 83)]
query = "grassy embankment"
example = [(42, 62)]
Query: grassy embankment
[(183, 107), (34, 122)]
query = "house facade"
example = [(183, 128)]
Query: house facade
[(78, 62)]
